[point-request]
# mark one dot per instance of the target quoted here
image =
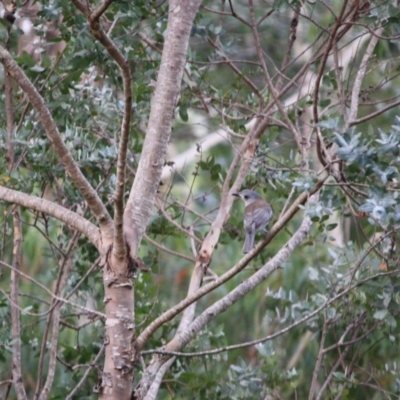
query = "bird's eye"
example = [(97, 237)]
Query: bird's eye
[(246, 197)]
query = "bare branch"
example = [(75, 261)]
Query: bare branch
[(160, 206), (54, 316), (54, 136), (318, 362), (374, 114), (236, 69), (321, 150), (123, 64), (334, 368), (101, 9), (141, 198), (355, 94), (58, 298), (281, 332), (171, 313), (292, 37), (154, 388), (54, 210), (167, 250), (245, 287), (85, 375), (10, 120), (273, 90), (15, 316)]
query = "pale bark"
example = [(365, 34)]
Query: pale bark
[(121, 348), (188, 304), (98, 32), (355, 94), (141, 199), (15, 314), (54, 210), (53, 134), (155, 386), (247, 285), (54, 320), (182, 338)]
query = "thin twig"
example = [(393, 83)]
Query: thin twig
[(58, 298), (171, 313), (167, 250), (276, 334), (355, 94), (85, 375), (15, 315)]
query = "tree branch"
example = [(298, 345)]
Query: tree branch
[(54, 210), (141, 199), (183, 337), (54, 317), (154, 387), (101, 9), (171, 313), (374, 114), (355, 92), (272, 89), (123, 64), (52, 295), (246, 286), (54, 136), (85, 375), (15, 315), (318, 361), (10, 120)]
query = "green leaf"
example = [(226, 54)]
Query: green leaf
[(183, 113), (380, 314), (37, 68), (331, 227)]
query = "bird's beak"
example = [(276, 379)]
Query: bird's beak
[(236, 194)]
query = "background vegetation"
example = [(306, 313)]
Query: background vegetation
[(322, 79)]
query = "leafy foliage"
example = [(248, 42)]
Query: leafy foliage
[(341, 283)]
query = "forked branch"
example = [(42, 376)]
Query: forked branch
[(53, 134), (123, 65)]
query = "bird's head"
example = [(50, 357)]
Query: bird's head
[(248, 196)]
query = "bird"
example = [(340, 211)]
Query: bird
[(257, 214)]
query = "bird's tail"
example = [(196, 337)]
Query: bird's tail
[(248, 242)]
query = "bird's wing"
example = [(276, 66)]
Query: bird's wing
[(248, 222), (258, 218)]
